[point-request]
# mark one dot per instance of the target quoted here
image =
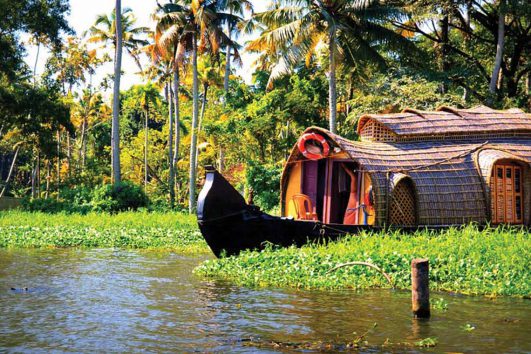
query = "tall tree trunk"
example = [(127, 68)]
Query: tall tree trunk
[(68, 154), (115, 138), (227, 64), (36, 176), (221, 166), (177, 131), (36, 62), (83, 145), (195, 114), (445, 28), (146, 148), (171, 179), (48, 177), (58, 162), (6, 184), (201, 117), (34, 181), (528, 84), (499, 48), (468, 6), (332, 94)]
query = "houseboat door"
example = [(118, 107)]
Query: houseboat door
[(506, 184), (349, 196)]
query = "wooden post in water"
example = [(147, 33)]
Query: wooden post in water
[(420, 289)]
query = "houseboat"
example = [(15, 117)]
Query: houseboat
[(411, 169)]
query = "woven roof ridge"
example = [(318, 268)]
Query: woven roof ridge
[(415, 111), (451, 120)]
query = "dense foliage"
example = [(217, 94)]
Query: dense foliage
[(123, 196), (458, 262), (316, 62)]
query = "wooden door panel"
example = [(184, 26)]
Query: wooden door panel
[(506, 194)]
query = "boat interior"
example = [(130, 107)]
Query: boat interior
[(333, 191)]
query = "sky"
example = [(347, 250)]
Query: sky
[(83, 14)]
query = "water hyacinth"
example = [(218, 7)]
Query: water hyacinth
[(464, 260), (177, 232)]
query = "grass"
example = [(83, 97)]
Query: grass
[(465, 260), (171, 231)]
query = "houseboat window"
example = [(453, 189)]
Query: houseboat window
[(403, 209), (507, 194)]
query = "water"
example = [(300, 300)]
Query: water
[(131, 301)]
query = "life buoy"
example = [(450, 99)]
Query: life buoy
[(310, 154)]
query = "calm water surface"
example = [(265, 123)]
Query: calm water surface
[(132, 301)]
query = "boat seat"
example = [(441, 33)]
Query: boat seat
[(304, 207)]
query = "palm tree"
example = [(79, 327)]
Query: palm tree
[(235, 21), (173, 38), (195, 26), (149, 94), (161, 71), (209, 75), (105, 30), (88, 109), (350, 29)]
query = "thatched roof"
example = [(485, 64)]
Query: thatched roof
[(448, 175), (445, 122)]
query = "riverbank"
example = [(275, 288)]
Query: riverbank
[(170, 231), (466, 260)]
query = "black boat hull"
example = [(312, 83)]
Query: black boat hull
[(229, 225)]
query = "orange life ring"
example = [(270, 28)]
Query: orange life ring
[(312, 155)]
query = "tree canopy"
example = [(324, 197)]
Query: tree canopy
[(322, 63)]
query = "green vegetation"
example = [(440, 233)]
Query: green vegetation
[(123, 196), (317, 64), (465, 260), (170, 231)]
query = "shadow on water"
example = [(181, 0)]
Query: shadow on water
[(122, 300)]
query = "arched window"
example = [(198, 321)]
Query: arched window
[(403, 204)]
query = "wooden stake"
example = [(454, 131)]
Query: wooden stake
[(420, 290)]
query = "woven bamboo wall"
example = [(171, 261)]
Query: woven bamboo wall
[(376, 131), (403, 208), (449, 185)]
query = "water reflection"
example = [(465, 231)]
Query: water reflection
[(120, 300)]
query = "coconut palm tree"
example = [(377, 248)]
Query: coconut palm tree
[(88, 109), (236, 9), (352, 30), (161, 71), (208, 75), (105, 30), (149, 95), (193, 27)]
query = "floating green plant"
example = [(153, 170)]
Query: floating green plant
[(439, 304), (465, 260), (172, 231)]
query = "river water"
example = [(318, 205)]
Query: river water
[(130, 301)]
